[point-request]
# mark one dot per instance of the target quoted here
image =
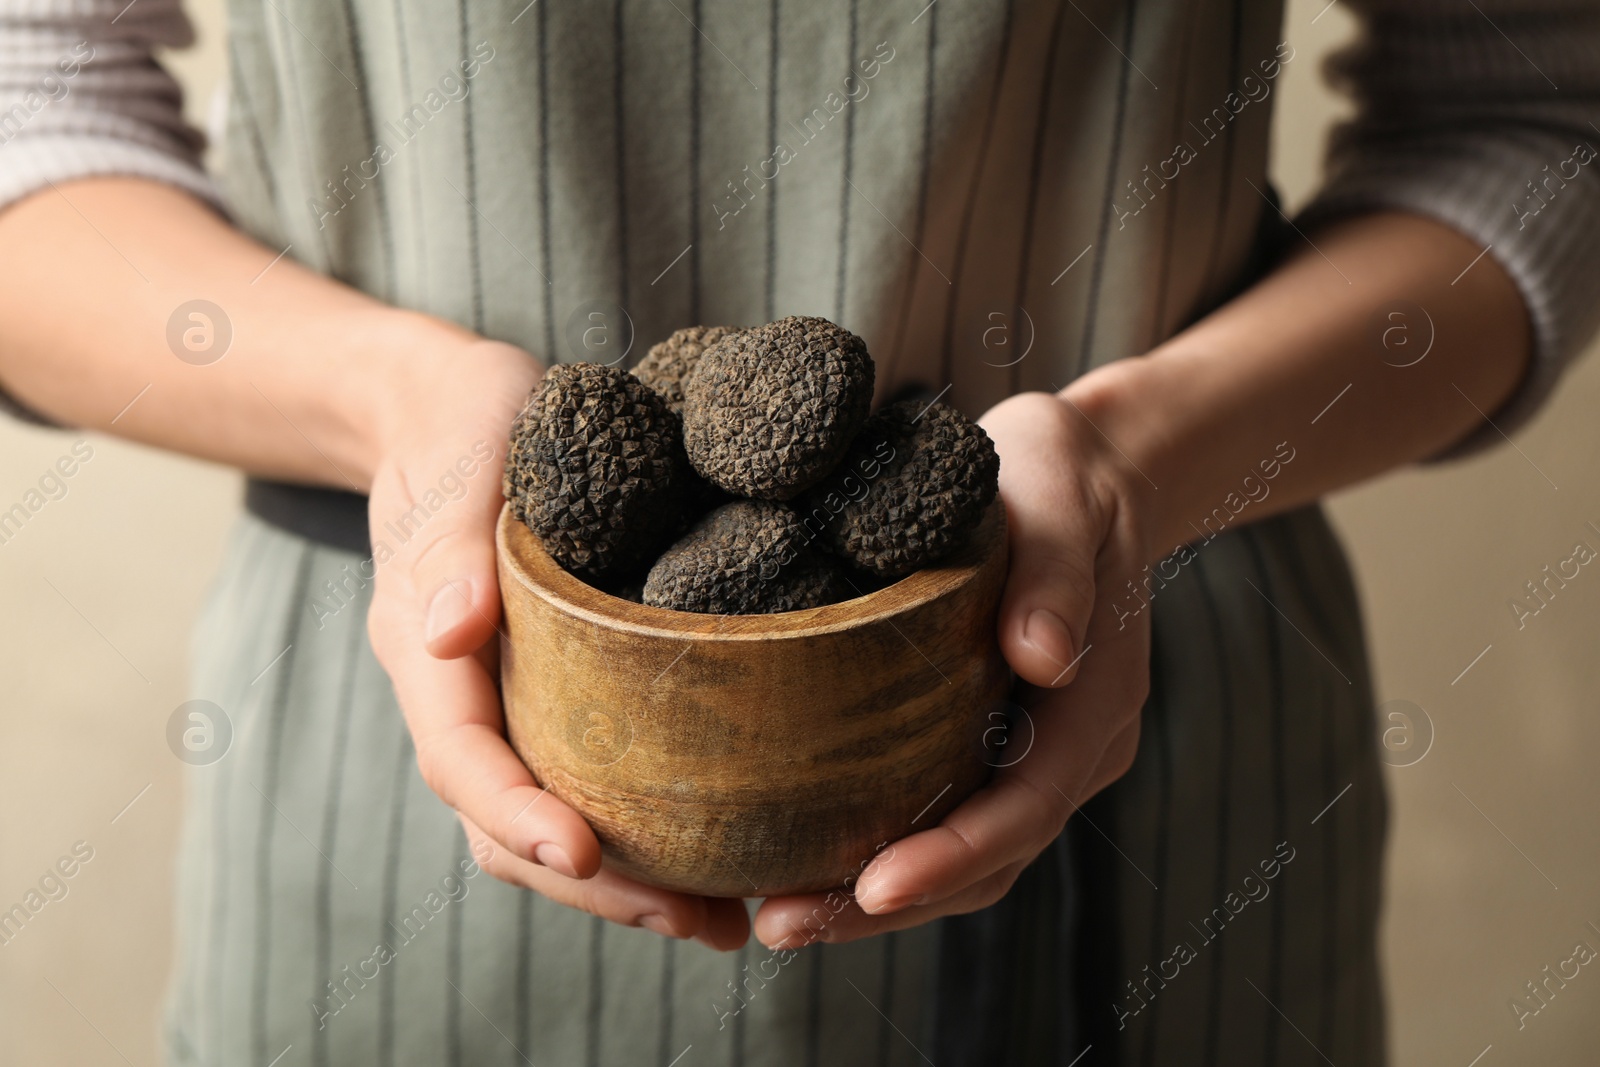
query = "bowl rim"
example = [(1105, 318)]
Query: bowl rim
[(520, 553)]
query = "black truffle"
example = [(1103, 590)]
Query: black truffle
[(914, 484), (668, 365), (771, 410), (700, 497), (596, 469), (633, 591), (745, 558)]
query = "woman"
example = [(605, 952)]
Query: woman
[(1055, 216)]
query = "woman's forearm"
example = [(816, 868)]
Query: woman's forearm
[(1309, 365), (307, 385), (90, 278)]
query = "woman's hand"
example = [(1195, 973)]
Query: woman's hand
[(1077, 538), (434, 625), (1295, 360)]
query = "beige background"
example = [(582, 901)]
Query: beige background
[(101, 587)]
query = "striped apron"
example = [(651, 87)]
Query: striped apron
[(998, 195)]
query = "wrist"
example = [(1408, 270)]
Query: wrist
[(425, 382), (1125, 438)]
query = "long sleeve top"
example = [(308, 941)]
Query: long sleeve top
[(1474, 114)]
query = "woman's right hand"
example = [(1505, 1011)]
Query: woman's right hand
[(434, 625)]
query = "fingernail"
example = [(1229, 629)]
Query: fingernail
[(1046, 632), (892, 904), (448, 607), (705, 939), (657, 924), (555, 857)]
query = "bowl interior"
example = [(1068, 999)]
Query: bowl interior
[(534, 568)]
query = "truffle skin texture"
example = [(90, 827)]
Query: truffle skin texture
[(770, 411), (910, 490), (668, 365), (746, 558), (596, 470)]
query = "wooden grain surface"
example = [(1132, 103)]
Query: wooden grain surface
[(753, 755)]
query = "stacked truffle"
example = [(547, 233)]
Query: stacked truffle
[(740, 472)]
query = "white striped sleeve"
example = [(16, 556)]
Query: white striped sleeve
[(81, 94), (1477, 114)]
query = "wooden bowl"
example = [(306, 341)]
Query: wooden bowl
[(753, 755)]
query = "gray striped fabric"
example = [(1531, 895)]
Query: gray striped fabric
[(942, 167), (315, 841)]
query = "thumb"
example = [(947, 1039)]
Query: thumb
[(1054, 540), (438, 516)]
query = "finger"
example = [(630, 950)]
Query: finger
[(793, 922), (452, 708), (1027, 804), (727, 924), (473, 770), (619, 899), (443, 522), (1007, 820), (1054, 534), (1115, 761)]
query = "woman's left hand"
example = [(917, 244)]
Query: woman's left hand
[(1079, 641)]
